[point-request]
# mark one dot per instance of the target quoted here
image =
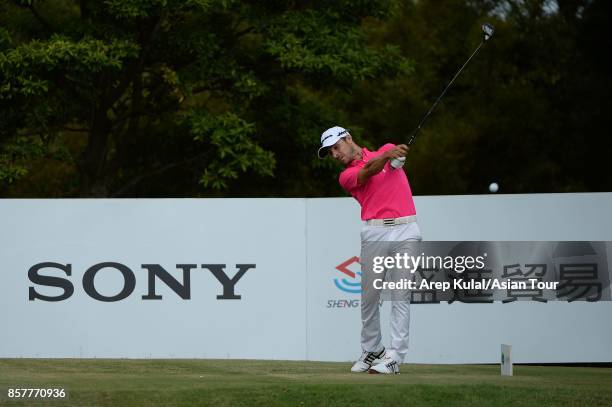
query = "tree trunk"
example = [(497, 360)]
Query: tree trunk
[(93, 161)]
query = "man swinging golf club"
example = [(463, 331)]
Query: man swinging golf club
[(377, 181)]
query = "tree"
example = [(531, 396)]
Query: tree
[(529, 110), (152, 97)]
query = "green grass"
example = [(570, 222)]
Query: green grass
[(118, 382)]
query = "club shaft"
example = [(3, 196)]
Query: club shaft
[(431, 109)]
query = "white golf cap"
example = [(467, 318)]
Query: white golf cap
[(331, 137)]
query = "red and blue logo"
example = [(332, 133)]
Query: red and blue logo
[(352, 285)]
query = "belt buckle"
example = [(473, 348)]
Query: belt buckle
[(389, 222)]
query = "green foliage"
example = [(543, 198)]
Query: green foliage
[(314, 43), (14, 156), (233, 152), (5, 39), (169, 97), (62, 56), (228, 98), (524, 113)]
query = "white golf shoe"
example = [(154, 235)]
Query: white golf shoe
[(386, 365), (366, 360)]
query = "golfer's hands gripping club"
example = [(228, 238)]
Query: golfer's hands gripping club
[(376, 164), (397, 155)]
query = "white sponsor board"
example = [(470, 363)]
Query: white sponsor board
[(554, 332), (267, 322), (295, 303)]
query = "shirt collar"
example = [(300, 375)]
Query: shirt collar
[(365, 155)]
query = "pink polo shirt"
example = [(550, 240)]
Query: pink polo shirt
[(385, 195)]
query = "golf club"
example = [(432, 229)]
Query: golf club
[(488, 30)]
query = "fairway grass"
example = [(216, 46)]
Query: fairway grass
[(128, 382)]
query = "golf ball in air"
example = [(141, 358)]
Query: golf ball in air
[(493, 188)]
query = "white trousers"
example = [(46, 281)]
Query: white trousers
[(390, 238)]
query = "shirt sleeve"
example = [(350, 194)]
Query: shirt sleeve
[(348, 178), (386, 147)]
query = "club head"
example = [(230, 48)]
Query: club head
[(488, 30)]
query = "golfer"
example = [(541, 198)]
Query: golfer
[(389, 215)]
